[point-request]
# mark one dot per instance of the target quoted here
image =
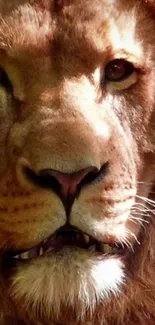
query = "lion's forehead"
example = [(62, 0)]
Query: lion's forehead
[(90, 27)]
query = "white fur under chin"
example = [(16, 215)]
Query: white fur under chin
[(71, 277)]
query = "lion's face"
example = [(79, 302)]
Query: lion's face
[(77, 152)]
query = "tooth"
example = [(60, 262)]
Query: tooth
[(17, 257), (92, 248), (41, 251), (24, 256), (34, 252), (102, 247), (105, 248), (86, 237)]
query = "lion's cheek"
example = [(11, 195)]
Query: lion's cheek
[(29, 216)]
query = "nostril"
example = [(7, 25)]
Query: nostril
[(68, 183), (43, 179)]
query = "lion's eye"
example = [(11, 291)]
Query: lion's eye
[(118, 70)]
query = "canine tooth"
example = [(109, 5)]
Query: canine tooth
[(92, 248), (41, 251), (86, 237), (24, 256)]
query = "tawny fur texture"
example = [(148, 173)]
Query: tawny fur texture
[(58, 111)]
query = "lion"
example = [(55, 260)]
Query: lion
[(77, 162)]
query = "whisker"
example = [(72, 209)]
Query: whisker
[(133, 235), (145, 199), (140, 224), (140, 220), (145, 207), (137, 209), (138, 212), (128, 244), (145, 182), (140, 204), (121, 242)]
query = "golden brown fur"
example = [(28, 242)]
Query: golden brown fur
[(59, 116)]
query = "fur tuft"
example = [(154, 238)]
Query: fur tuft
[(70, 278)]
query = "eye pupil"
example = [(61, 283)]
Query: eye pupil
[(118, 70)]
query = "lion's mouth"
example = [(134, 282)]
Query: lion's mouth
[(68, 236)]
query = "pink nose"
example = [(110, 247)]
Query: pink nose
[(68, 182)]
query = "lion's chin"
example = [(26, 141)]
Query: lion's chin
[(72, 277)]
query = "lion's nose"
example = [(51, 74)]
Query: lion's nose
[(67, 186)]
